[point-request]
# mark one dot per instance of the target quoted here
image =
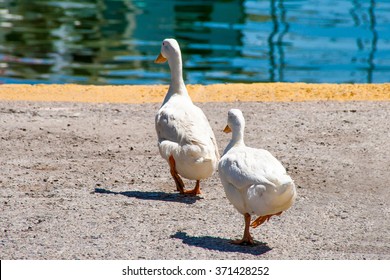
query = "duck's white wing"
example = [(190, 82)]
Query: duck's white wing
[(203, 135), (255, 181), (185, 125), (244, 166)]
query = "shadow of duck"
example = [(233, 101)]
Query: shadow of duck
[(221, 244), (161, 196)]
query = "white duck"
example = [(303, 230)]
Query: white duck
[(255, 182), (185, 138)]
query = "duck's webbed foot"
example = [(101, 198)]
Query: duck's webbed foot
[(196, 190), (260, 220), (247, 238)]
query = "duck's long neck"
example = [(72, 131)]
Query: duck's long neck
[(237, 139), (177, 85)]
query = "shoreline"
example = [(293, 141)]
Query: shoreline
[(139, 94)]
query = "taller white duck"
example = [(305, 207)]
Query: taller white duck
[(255, 182), (185, 138)]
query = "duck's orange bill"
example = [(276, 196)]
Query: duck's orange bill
[(160, 59), (227, 129)]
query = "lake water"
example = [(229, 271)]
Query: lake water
[(116, 41)]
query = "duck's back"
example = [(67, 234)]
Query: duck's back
[(245, 166), (258, 178), (183, 130)]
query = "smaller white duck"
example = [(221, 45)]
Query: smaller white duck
[(185, 138), (255, 182)]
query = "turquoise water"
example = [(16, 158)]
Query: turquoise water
[(116, 41)]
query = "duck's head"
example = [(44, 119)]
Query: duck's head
[(235, 121), (169, 49)]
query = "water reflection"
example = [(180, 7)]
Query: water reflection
[(115, 41), (65, 41), (374, 41), (275, 40), (366, 16)]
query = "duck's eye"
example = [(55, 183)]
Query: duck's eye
[(163, 44)]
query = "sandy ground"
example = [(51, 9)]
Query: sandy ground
[(85, 181), (256, 92)]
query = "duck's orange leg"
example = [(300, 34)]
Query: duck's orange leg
[(196, 190), (178, 181), (247, 238), (263, 219)]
